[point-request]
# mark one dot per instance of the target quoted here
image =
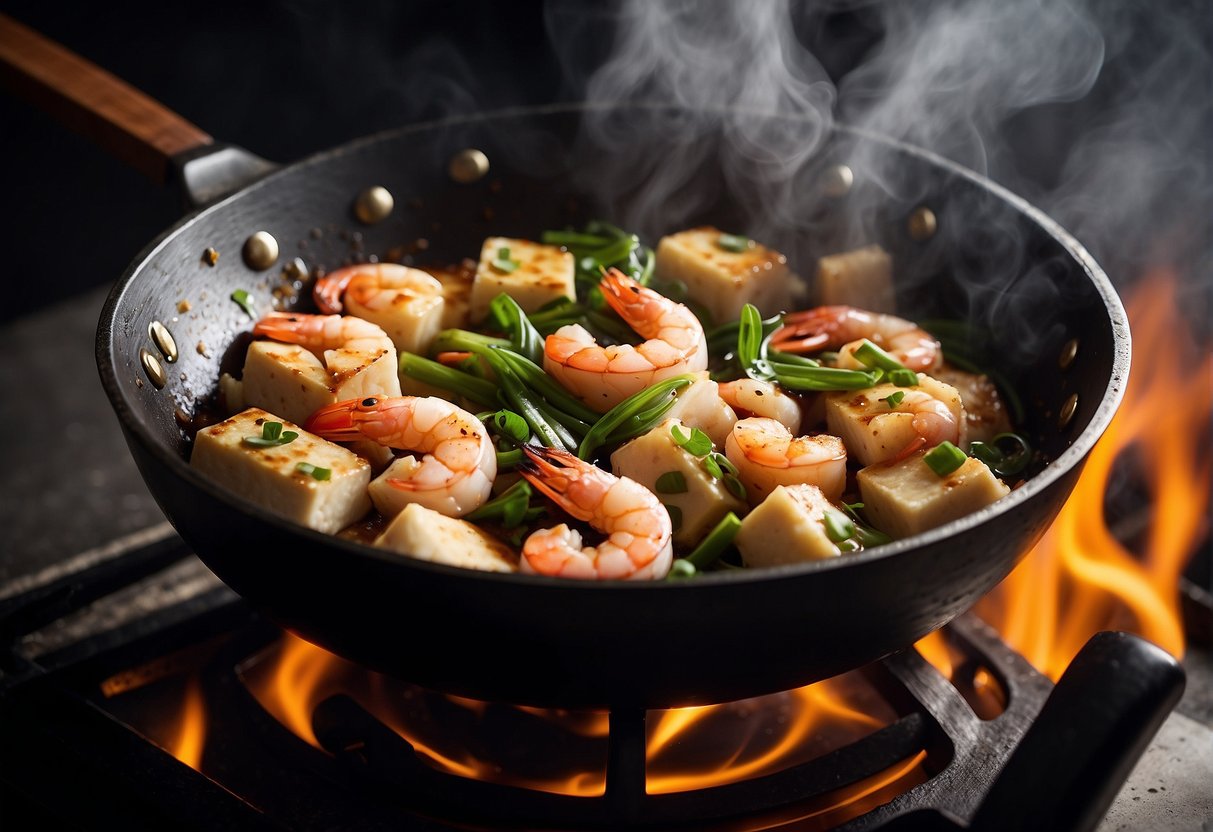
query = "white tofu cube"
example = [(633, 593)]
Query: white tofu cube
[(874, 431), (417, 532), (724, 281), (785, 528), (456, 283), (703, 500), (700, 406), (908, 497), (290, 380), (269, 476), (408, 307), (544, 273), (862, 277)]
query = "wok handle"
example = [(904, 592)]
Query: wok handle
[(85, 98)]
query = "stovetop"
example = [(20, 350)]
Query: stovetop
[(72, 503)]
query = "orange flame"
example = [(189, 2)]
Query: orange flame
[(191, 734), (1080, 578)]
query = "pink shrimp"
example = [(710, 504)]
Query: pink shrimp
[(767, 455), (842, 327), (373, 285), (602, 377), (458, 464), (638, 545), (318, 332)]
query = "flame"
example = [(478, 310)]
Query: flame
[(1081, 578), (191, 734)]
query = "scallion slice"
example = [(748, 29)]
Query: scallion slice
[(873, 356), (903, 377), (735, 243), (671, 482), (272, 435), (718, 540), (893, 399), (245, 300), (944, 458), (314, 471), (502, 261), (838, 526)]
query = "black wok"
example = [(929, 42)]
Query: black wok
[(540, 641)]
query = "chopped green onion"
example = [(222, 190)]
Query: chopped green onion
[(681, 569), (1002, 464), (653, 402), (944, 458), (903, 378), (873, 356), (502, 261), (272, 435), (574, 240), (534, 377), (893, 399), (718, 540), (508, 459), (479, 390), (867, 536), (510, 506), (314, 471), (508, 423), (733, 242), (734, 485), (671, 482), (712, 467), (838, 526), (796, 377), (525, 339), (675, 516), (463, 340), (550, 432), (697, 443), (246, 302)]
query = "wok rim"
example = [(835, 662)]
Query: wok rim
[(1073, 456)]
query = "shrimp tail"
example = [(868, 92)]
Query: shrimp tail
[(328, 290), (545, 469)]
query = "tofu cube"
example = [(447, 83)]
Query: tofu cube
[(410, 311), (700, 406), (704, 500), (544, 273), (417, 532), (456, 293), (269, 477), (875, 432), (862, 277), (908, 497), (290, 380), (786, 527), (723, 281)]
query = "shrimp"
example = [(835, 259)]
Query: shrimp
[(767, 455), (639, 543), (761, 398), (407, 303), (458, 460), (318, 332), (842, 327), (602, 377), (888, 423)]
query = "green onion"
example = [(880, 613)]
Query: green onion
[(944, 458), (653, 402), (893, 399), (733, 242), (697, 443), (510, 506), (1002, 464), (797, 377), (903, 378), (838, 526), (718, 540), (873, 356), (734, 485), (671, 482), (479, 390), (502, 261), (525, 339), (749, 337), (272, 435), (508, 459), (574, 240), (675, 516), (510, 424), (681, 569), (550, 432), (534, 377), (867, 536), (246, 302), (463, 340), (314, 471)]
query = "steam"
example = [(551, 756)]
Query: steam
[(1046, 98)]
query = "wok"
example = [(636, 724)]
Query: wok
[(995, 260)]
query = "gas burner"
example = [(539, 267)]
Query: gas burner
[(952, 737)]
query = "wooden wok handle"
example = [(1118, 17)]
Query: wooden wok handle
[(84, 97)]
